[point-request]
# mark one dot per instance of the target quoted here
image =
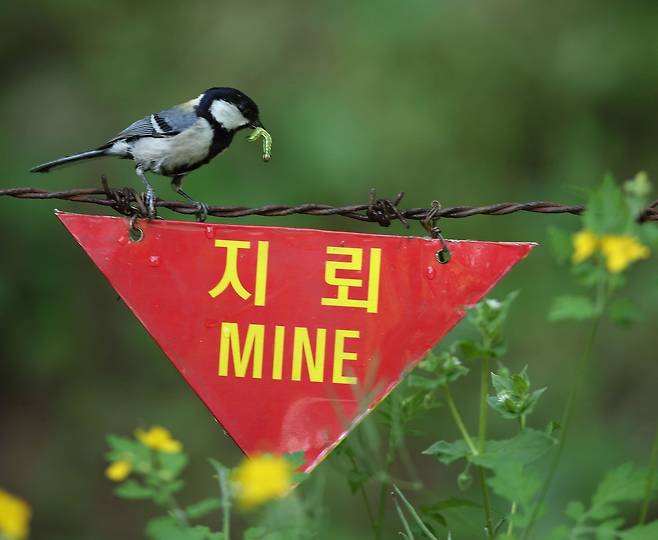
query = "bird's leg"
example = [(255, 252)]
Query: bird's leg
[(202, 208), (150, 193)]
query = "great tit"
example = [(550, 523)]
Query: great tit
[(178, 140)]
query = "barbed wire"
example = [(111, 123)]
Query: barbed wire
[(129, 202)]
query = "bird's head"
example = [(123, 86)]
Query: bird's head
[(229, 108)]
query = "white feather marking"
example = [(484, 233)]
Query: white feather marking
[(119, 148), (227, 114), (155, 125)]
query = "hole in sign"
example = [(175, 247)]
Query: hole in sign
[(443, 255)]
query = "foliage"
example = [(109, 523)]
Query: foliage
[(513, 472), (158, 460), (602, 519), (610, 242)]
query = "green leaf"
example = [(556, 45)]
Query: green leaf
[(418, 381), (513, 398), (639, 186), (162, 528), (296, 459), (203, 507), (524, 448), (471, 350), (255, 533), (623, 312), (577, 308), (444, 368), (560, 243), (637, 193), (447, 452), (167, 528), (623, 484), (575, 510), (560, 533), (172, 463), (435, 510), (606, 211), (516, 484), (165, 491), (488, 317), (262, 533), (131, 489), (641, 532), (128, 449), (356, 479)]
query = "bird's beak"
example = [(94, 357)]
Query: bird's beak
[(256, 124)]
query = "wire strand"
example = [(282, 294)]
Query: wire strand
[(128, 201)]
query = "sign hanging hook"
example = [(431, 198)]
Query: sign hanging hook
[(443, 255)]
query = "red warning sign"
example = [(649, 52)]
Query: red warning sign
[(290, 335)]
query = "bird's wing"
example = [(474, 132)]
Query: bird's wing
[(165, 123)]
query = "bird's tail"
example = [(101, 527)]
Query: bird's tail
[(90, 154)]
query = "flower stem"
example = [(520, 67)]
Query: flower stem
[(482, 441), (581, 369), (177, 511), (364, 494), (512, 511), (484, 393), (390, 459), (651, 478), (458, 420), (226, 503)]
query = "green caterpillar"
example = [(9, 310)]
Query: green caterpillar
[(267, 141)]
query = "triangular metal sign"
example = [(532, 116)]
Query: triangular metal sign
[(284, 333)]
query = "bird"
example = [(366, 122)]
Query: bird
[(176, 141)]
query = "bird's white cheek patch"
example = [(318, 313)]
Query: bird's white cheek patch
[(227, 114)]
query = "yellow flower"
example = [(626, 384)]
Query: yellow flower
[(15, 516), (584, 245), (159, 438), (260, 479), (118, 470), (622, 250)]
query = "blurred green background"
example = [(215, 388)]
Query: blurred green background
[(466, 102)]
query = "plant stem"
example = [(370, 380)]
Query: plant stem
[(413, 513), (226, 503), (474, 450), (458, 420), (484, 393), (565, 422), (651, 478), (177, 511), (171, 502), (364, 495), (512, 511), (407, 530), (486, 502), (482, 441), (390, 459)]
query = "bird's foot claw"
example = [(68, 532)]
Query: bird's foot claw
[(201, 211)]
